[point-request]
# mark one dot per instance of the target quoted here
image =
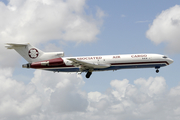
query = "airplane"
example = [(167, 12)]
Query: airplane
[(55, 61)]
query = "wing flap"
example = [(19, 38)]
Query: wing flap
[(88, 65)]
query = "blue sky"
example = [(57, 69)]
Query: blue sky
[(105, 28)]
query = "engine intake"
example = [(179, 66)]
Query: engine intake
[(26, 65)]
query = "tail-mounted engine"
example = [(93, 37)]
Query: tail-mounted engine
[(46, 63)]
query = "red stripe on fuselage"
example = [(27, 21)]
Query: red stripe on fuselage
[(140, 63)]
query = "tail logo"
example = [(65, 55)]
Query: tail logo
[(33, 53)]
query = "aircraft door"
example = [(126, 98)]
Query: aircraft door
[(149, 57)]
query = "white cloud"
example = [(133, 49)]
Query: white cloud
[(120, 87), (59, 96), (40, 21), (16, 98), (146, 99), (153, 86), (44, 20), (165, 28), (100, 13), (47, 92)]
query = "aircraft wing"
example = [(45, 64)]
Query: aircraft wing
[(87, 65)]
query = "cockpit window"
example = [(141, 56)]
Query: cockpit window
[(165, 57)]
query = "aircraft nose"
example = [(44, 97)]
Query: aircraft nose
[(170, 61)]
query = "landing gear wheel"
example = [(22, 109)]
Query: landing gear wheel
[(157, 71), (88, 74)]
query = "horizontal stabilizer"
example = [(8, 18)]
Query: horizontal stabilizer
[(13, 45)]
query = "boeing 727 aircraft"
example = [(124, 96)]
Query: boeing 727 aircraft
[(55, 61)]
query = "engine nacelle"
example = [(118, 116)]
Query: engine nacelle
[(60, 54), (47, 63)]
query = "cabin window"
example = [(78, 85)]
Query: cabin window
[(165, 57)]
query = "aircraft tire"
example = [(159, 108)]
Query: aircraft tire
[(157, 71), (88, 74)]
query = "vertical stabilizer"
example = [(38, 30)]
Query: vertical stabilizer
[(27, 51)]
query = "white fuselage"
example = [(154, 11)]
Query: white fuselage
[(115, 62)]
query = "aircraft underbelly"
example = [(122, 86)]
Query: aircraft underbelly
[(113, 67)]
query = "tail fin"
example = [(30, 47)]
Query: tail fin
[(27, 51), (32, 54)]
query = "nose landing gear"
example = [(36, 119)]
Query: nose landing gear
[(157, 69)]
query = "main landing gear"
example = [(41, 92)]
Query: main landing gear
[(157, 69), (88, 74)]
